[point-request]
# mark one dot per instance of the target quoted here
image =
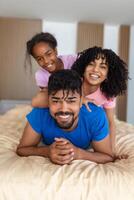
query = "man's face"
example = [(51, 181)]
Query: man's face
[(64, 108)]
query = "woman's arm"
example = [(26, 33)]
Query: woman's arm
[(110, 115)]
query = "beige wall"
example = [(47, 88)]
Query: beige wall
[(15, 83), (124, 54), (89, 35)]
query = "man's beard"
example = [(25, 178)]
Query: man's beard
[(65, 125)]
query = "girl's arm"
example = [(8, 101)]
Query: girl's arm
[(110, 114), (86, 100), (41, 99)]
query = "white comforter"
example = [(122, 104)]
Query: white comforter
[(36, 178)]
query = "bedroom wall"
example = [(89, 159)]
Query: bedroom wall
[(130, 96), (65, 33), (89, 35), (124, 36), (15, 83), (111, 37)]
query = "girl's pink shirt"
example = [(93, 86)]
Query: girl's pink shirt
[(101, 99)]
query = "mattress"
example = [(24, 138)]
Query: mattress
[(35, 177)]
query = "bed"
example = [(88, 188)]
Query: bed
[(36, 178)]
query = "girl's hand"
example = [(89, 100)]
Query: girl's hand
[(86, 100)]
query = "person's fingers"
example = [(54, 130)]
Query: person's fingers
[(65, 151), (123, 156), (61, 143), (88, 108), (65, 146), (94, 102), (66, 158), (66, 162), (62, 160), (61, 140), (91, 101)]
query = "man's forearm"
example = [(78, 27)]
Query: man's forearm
[(33, 151), (95, 156)]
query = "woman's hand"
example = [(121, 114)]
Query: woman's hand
[(86, 100)]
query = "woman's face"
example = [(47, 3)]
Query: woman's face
[(45, 56), (96, 72)]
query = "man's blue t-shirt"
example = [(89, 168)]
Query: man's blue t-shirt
[(92, 126)]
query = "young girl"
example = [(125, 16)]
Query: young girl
[(43, 48), (104, 76)]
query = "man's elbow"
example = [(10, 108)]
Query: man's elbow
[(19, 151), (109, 156)]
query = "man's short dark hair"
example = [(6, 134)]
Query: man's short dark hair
[(65, 79)]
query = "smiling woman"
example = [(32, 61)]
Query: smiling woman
[(105, 76)]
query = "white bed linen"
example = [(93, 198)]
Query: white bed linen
[(36, 178)]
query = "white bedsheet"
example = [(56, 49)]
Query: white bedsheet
[(36, 178)]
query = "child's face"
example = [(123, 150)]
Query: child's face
[(45, 56), (96, 72)]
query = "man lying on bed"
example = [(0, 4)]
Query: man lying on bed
[(66, 127)]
